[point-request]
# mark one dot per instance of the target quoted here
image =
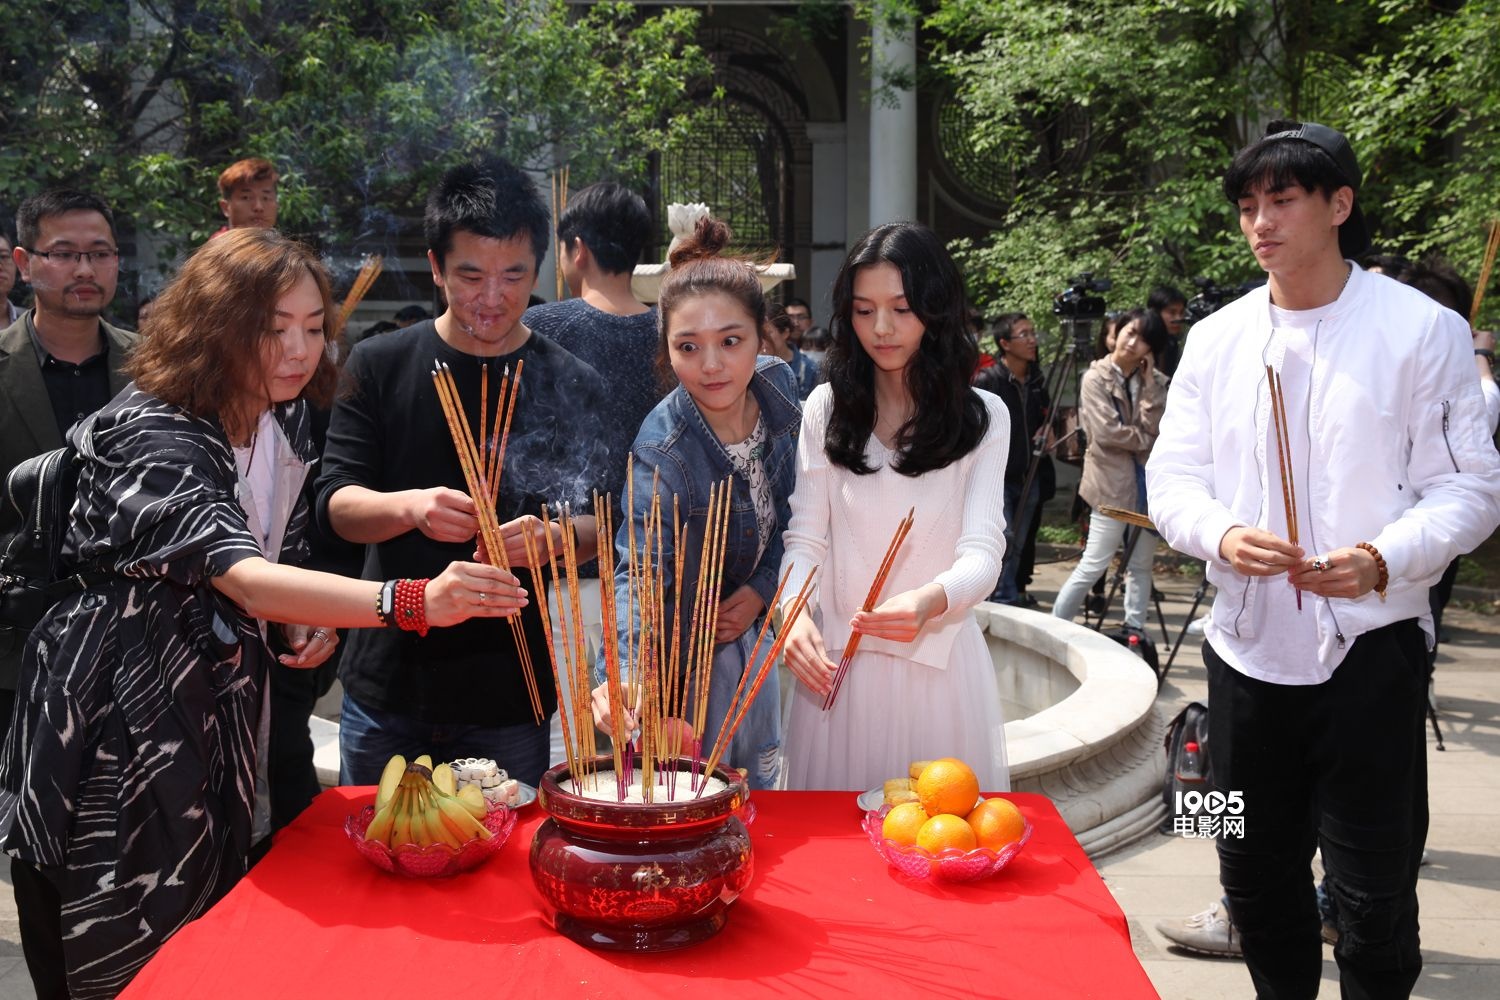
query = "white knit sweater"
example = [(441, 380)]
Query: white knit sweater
[(843, 523)]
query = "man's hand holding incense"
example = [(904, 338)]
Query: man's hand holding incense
[(806, 657), (442, 514), (1253, 552), (1341, 573), (738, 612), (514, 533), (901, 617), (604, 719)]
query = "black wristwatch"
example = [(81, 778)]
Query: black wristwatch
[(1486, 353)]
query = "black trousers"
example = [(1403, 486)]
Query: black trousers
[(1341, 765), (39, 907)]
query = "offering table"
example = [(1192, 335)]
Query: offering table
[(824, 916)]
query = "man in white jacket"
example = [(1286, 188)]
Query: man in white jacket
[(1316, 649)]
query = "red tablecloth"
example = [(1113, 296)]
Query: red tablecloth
[(824, 916)]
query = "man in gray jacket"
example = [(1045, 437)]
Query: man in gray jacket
[(60, 361), (1325, 511)]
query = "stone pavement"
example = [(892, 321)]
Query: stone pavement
[(1164, 877)]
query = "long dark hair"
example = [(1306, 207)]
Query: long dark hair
[(948, 419)]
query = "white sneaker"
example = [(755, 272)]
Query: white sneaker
[(1196, 626), (1208, 933)]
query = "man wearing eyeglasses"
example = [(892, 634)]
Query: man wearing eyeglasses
[(59, 362)]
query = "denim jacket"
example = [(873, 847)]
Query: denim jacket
[(676, 445)]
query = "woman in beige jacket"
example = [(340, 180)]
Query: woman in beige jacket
[(1120, 405)]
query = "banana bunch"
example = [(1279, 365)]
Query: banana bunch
[(420, 804)]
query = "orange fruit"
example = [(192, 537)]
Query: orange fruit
[(943, 831), (996, 822), (948, 786), (902, 823)]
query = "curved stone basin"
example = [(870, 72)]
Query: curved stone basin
[(1082, 728)]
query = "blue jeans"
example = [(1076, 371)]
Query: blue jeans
[(1105, 537), (1006, 591), (757, 743), (369, 737)]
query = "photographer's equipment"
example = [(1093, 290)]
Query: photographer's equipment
[(1079, 310)]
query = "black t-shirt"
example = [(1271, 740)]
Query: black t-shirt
[(388, 434)]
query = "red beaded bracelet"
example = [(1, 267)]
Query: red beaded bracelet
[(411, 605)]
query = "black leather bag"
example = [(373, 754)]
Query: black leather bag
[(33, 521)]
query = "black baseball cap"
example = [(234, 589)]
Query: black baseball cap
[(1354, 235)]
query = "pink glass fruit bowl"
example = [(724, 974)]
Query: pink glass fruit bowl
[(950, 865), (434, 860), (632, 877)]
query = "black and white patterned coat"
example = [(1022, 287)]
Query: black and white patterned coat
[(128, 774)]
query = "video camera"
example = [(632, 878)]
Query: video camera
[(1079, 310), (1211, 297)]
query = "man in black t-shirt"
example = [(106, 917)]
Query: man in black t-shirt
[(392, 481)]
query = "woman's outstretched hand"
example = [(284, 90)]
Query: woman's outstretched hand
[(473, 590)]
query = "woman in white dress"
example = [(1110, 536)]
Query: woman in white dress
[(897, 427)]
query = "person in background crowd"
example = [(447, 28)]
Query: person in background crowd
[(776, 340), (1105, 346), (733, 416), (1317, 656), (59, 361), (1170, 307), (133, 780), (1017, 379), (898, 426), (815, 345), (1120, 403), (392, 481), (408, 315), (801, 316), (9, 311), (247, 195), (600, 238)]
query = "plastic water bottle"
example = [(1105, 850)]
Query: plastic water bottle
[(1190, 767)]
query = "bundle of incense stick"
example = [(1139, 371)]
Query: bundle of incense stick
[(482, 465), (559, 205), (646, 670), (871, 599), (362, 282), (1488, 265), (1128, 516), (1284, 458)]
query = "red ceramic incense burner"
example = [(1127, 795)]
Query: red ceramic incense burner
[(633, 877)]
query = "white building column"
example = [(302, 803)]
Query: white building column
[(893, 125), (829, 212)]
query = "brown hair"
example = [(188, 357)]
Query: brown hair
[(248, 171), (201, 345), (698, 266)]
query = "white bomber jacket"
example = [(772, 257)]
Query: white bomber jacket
[(1399, 444)]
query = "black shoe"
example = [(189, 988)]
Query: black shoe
[(1096, 604), (1027, 601)]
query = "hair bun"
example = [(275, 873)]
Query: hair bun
[(710, 237)]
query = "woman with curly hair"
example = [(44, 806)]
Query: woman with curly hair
[(896, 427), (130, 796)]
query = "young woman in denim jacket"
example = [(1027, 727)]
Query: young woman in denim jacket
[(734, 414)]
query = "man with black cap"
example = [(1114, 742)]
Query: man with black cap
[(1316, 649)]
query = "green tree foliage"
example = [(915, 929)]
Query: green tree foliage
[(360, 105), (1116, 118)]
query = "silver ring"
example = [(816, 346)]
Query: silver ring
[(320, 633), (1320, 563)]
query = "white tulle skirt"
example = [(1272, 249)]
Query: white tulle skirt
[(892, 711)]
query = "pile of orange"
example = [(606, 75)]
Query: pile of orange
[(948, 812)]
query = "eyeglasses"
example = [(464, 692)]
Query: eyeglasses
[(98, 258), (1028, 335)]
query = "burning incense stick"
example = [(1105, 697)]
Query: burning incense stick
[(871, 599), (471, 460), (362, 282), (1488, 265), (1284, 459)]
